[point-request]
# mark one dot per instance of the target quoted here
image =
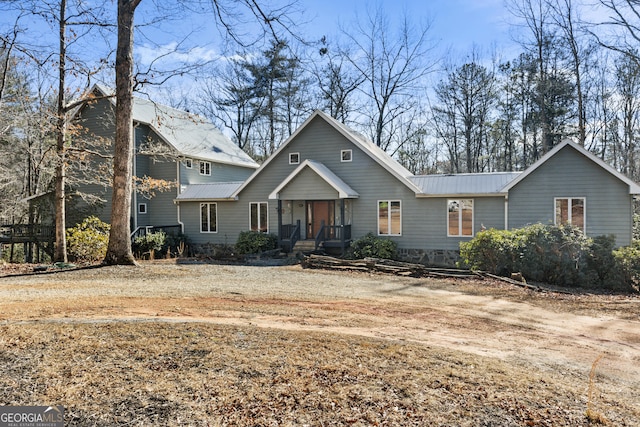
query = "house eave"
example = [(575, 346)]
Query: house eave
[(207, 199), (461, 195)]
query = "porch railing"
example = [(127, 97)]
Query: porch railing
[(292, 233), (341, 233), (168, 229)]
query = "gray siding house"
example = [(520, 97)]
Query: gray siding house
[(327, 185), (170, 145)]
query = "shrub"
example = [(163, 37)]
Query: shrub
[(150, 243), (87, 241), (495, 251), (559, 255), (254, 242), (555, 254), (628, 266), (373, 246)]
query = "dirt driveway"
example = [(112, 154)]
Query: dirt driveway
[(547, 331)]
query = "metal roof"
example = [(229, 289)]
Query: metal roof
[(191, 135), (211, 191), (463, 184)]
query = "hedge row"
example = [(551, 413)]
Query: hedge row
[(558, 255)]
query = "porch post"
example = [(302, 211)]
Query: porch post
[(279, 222), (343, 225)]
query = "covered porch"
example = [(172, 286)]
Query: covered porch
[(314, 210), (325, 225)]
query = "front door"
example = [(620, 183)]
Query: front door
[(319, 211)]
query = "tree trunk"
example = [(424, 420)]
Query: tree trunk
[(60, 253), (119, 248)]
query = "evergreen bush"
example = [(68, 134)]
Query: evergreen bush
[(151, 243), (627, 267), (559, 255), (87, 241), (374, 247), (255, 242)]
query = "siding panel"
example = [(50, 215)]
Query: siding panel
[(570, 174)]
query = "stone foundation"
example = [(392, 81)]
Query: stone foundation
[(431, 257), (215, 250)]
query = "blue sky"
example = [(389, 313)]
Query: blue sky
[(458, 24)]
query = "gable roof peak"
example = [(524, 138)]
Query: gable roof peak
[(189, 134), (634, 188), (368, 147)]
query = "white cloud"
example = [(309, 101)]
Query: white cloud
[(172, 53)]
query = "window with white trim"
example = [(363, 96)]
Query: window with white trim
[(188, 163), (570, 210), (142, 208), (460, 217), (389, 218), (294, 158), (205, 168), (259, 216), (208, 217), (346, 155)]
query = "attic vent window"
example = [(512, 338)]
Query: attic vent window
[(294, 158), (345, 155)]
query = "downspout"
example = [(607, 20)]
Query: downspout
[(134, 208), (506, 211), (178, 191)]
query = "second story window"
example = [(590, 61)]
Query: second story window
[(205, 168), (188, 163)]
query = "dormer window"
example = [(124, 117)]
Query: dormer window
[(205, 168), (294, 158), (345, 155)]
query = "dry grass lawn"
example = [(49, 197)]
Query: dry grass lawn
[(206, 345)]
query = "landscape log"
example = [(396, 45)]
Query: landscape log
[(386, 266)]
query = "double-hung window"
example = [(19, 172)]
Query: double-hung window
[(205, 168), (259, 216), (460, 217), (208, 217), (389, 218), (570, 210)]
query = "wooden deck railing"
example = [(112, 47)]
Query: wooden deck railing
[(21, 233)]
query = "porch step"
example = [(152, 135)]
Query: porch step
[(304, 246)]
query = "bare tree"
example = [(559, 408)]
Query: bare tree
[(229, 98), (227, 12), (567, 19), (61, 15), (337, 82), (466, 98), (393, 68), (621, 31)]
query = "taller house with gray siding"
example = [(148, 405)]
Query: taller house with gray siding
[(327, 185), (170, 145)]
